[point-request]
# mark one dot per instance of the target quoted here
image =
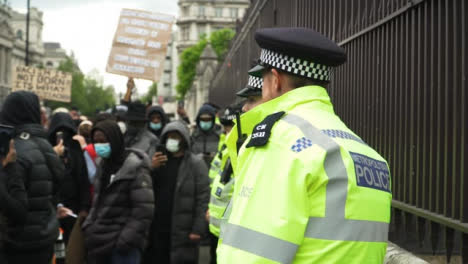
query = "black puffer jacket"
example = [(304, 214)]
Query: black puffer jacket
[(13, 201), (41, 169), (122, 211), (191, 197), (123, 205), (74, 192)]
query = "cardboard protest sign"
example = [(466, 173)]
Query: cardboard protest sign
[(47, 84), (140, 44)]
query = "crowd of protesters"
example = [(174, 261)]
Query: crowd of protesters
[(134, 182)]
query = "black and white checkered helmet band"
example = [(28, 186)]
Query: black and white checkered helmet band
[(255, 82), (296, 66)]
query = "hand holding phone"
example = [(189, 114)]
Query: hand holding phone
[(158, 160)]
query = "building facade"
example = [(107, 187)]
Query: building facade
[(13, 43), (199, 93), (202, 17), (166, 87), (54, 54)]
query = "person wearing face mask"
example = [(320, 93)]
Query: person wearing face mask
[(117, 227), (157, 119), (205, 137), (74, 192), (181, 186), (137, 133)]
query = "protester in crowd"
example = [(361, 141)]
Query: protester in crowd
[(157, 120), (182, 113), (205, 137), (74, 192), (41, 170), (181, 186), (117, 227), (60, 110), (120, 113), (45, 117), (75, 115), (84, 139), (84, 130), (13, 198), (138, 136), (102, 117), (217, 125)]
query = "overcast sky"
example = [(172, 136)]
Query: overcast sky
[(87, 28)]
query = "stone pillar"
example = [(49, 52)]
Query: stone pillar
[(2, 65), (8, 67)]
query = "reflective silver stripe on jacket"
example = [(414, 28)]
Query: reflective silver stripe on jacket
[(215, 221), (258, 243), (334, 226)]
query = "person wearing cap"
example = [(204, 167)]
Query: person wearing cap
[(308, 189), (221, 170), (221, 187), (137, 134), (205, 137)]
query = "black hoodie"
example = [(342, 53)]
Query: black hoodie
[(74, 192), (21, 108), (116, 140), (41, 168), (164, 119)]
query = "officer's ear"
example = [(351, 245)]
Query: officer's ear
[(276, 81), (280, 82)]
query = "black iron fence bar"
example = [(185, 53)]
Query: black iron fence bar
[(434, 217), (404, 9)]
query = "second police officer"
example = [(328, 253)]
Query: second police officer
[(221, 171)]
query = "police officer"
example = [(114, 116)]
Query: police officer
[(307, 190), (221, 170)]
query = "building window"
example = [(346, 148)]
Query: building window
[(201, 10), (234, 12), (185, 33), (19, 34), (186, 11), (219, 12), (201, 30), (49, 64)]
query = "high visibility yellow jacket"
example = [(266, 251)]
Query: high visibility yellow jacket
[(221, 192), (307, 189), (218, 163)]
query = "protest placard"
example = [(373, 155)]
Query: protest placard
[(47, 84), (140, 44)]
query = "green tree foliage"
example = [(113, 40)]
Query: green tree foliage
[(87, 94), (187, 68), (220, 40), (152, 91), (190, 57)]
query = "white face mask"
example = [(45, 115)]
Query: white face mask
[(123, 127), (172, 145)]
